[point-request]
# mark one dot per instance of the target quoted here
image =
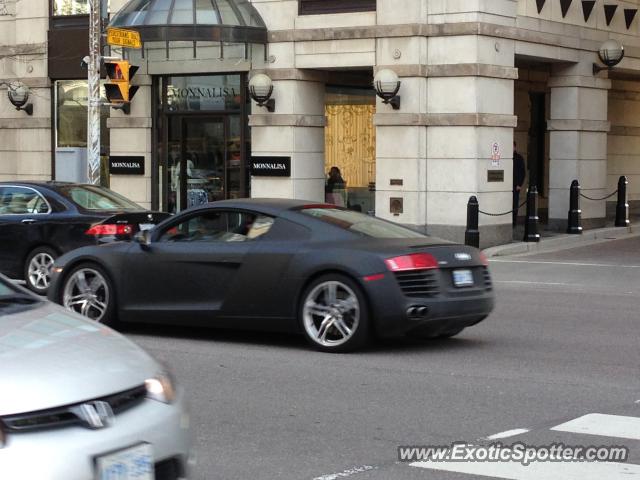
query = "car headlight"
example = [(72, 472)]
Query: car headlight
[(161, 388)]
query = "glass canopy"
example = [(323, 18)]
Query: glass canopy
[(193, 20)]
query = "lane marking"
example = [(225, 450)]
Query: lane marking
[(346, 473), (604, 425), (538, 283), (539, 470), (508, 433), (577, 264)]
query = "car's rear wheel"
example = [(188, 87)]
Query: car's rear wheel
[(37, 269), (87, 290), (334, 314)]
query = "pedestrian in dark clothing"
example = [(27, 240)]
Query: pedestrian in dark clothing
[(519, 174)]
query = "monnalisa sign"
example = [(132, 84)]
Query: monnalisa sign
[(271, 166)]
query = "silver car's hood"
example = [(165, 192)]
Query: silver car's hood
[(50, 357)]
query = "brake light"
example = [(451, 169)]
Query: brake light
[(109, 229), (415, 261), (484, 259)]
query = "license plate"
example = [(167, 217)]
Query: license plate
[(462, 278), (135, 463), (146, 226)]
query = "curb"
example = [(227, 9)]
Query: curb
[(563, 242)]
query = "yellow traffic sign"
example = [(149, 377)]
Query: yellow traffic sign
[(124, 38)]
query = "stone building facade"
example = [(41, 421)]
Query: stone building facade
[(475, 76)]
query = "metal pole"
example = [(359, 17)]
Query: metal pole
[(93, 114), (472, 233), (531, 222), (574, 221), (622, 206)]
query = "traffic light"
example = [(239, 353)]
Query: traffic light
[(118, 89)]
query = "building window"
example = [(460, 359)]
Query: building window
[(70, 7), (310, 7)]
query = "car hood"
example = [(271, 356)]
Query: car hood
[(50, 357)]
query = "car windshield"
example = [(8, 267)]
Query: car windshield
[(360, 223), (11, 298), (97, 198)]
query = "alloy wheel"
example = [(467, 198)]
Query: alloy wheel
[(86, 292), (331, 313), (39, 270)]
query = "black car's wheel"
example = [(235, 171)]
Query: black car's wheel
[(87, 290), (334, 314), (37, 269)]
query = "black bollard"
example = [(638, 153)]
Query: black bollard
[(531, 222), (575, 214), (472, 234), (622, 207)]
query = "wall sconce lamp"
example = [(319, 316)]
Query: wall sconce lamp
[(387, 86), (18, 94), (261, 89), (611, 53)]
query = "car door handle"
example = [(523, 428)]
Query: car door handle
[(29, 220)]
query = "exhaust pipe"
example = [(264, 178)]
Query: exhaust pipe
[(417, 312)]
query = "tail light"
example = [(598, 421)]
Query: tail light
[(484, 259), (110, 229), (415, 261)]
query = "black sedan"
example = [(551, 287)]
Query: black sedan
[(335, 275), (40, 221)]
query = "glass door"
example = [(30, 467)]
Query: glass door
[(197, 152)]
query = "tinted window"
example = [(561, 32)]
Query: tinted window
[(362, 224), (18, 200), (97, 198), (218, 227)]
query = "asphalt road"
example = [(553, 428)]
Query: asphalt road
[(563, 342)]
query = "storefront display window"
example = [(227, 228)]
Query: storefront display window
[(350, 148), (203, 145), (70, 7), (71, 115), (71, 132)]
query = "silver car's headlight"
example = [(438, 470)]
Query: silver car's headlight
[(161, 388)]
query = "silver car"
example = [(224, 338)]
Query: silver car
[(80, 401)]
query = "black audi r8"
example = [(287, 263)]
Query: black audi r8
[(40, 221), (335, 275)]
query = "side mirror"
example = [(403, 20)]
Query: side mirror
[(143, 238)]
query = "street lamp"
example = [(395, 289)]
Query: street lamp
[(387, 86), (18, 94), (611, 54), (261, 89)]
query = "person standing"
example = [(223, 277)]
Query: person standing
[(519, 174), (336, 188)]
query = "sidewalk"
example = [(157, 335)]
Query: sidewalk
[(564, 241)]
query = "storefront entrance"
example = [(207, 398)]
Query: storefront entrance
[(203, 143)]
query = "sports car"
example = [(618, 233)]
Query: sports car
[(337, 276)]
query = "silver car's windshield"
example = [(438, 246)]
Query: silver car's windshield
[(12, 299)]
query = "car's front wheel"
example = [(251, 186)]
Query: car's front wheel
[(37, 269), (87, 290), (334, 314)]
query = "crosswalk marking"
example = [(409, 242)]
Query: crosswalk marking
[(539, 471), (605, 425), (508, 433)]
